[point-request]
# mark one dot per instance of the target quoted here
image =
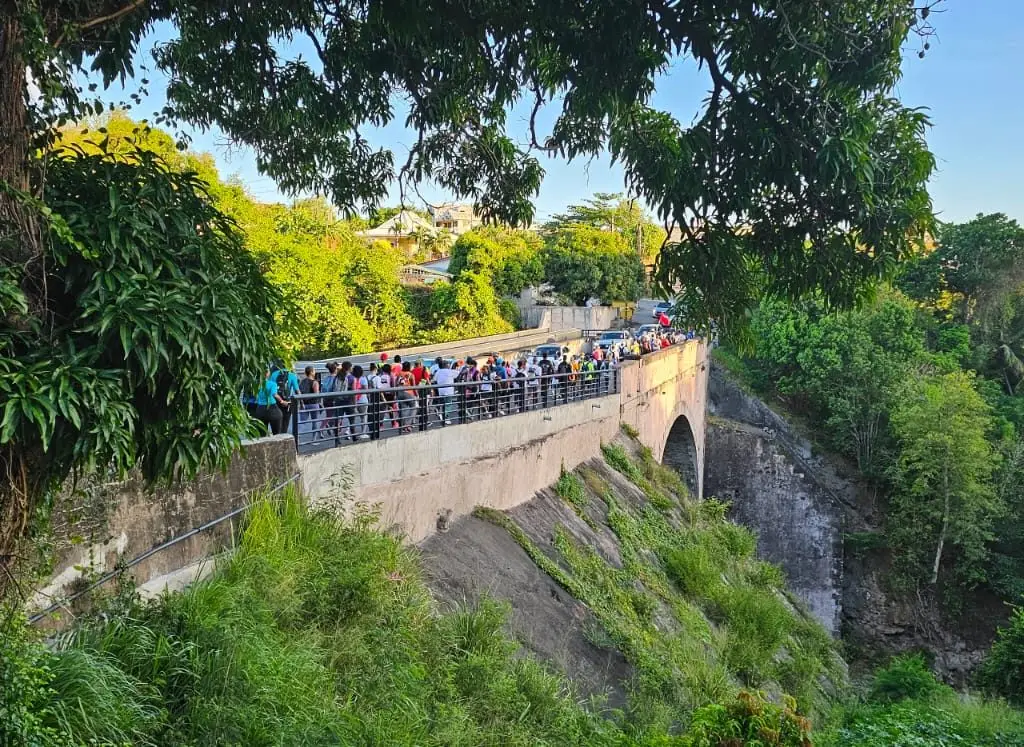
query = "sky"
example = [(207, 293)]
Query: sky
[(970, 82)]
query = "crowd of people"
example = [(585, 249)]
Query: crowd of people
[(395, 394)]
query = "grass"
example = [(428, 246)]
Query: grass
[(315, 632), (906, 706), (691, 608)]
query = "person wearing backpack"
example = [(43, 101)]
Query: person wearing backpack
[(406, 397), (287, 387), (564, 372), (310, 410)]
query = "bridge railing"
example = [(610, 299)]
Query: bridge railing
[(322, 421)]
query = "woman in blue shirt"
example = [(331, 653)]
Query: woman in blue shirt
[(269, 404)]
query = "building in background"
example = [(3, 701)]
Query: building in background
[(406, 231), (456, 218)]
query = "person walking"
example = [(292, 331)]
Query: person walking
[(359, 404), (269, 403), (310, 410), (444, 378)]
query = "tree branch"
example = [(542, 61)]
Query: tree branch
[(100, 20)]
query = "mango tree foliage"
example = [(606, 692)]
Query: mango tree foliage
[(799, 141), (512, 258), (944, 498), (582, 262)]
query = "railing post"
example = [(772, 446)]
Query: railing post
[(424, 413), (293, 413), (375, 414), (463, 405)]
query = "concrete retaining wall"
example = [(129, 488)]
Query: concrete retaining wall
[(568, 317), (101, 523)]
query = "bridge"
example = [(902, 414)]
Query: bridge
[(418, 479), (442, 473)]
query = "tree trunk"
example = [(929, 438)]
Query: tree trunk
[(21, 244), (21, 249), (14, 134), (945, 525)]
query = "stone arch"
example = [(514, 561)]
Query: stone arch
[(681, 453)]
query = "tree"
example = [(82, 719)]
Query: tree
[(466, 307), (975, 277), (848, 369), (1002, 671), (582, 262), (798, 140), (944, 493), (512, 258), (612, 212)]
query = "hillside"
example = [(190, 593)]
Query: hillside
[(638, 592)]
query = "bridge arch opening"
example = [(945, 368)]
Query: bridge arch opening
[(681, 453)]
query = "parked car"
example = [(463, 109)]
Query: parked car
[(554, 352), (662, 307), (611, 337), (644, 329)]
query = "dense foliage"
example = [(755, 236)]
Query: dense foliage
[(918, 386), (159, 319), (1002, 672), (318, 631), (906, 706)]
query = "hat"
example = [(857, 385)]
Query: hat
[(383, 356)]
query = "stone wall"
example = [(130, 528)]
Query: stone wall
[(99, 524), (755, 460)]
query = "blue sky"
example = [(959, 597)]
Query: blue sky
[(971, 82)]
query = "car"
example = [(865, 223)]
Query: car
[(554, 352), (611, 337), (662, 307), (644, 329)]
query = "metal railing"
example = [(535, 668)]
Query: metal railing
[(321, 421)]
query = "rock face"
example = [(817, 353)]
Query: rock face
[(801, 506), (755, 460), (798, 524)]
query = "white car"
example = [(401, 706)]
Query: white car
[(662, 307)]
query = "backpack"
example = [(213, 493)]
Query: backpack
[(546, 368), (564, 368), (282, 384)]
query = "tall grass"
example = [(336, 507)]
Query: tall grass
[(315, 632)]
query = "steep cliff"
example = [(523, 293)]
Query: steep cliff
[(815, 519)]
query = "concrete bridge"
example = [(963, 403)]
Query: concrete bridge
[(437, 475)]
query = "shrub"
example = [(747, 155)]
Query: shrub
[(1002, 672), (906, 677), (25, 691), (749, 720)]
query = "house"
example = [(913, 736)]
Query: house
[(405, 231), (455, 218), (421, 275)]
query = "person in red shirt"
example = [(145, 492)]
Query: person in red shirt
[(419, 372), (664, 321), (664, 343)]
